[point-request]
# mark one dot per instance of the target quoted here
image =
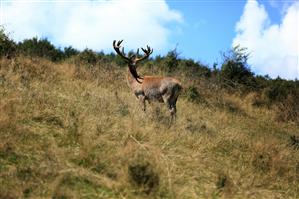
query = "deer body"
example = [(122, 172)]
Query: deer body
[(151, 88)]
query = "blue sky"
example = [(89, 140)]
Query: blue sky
[(199, 28), (209, 27)]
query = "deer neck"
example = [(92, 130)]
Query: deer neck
[(132, 82)]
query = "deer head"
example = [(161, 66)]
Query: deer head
[(133, 59)]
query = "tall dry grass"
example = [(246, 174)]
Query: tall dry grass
[(74, 131)]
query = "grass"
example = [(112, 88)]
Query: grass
[(75, 132)]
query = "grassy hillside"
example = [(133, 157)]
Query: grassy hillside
[(78, 132)]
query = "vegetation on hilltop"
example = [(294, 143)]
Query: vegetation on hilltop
[(70, 128)]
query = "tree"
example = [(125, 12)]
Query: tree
[(40, 48), (171, 61), (7, 45), (235, 69), (70, 51)]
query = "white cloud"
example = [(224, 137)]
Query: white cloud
[(92, 23), (274, 47)]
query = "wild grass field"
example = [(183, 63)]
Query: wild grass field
[(78, 132)]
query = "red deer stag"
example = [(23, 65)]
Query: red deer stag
[(150, 88)]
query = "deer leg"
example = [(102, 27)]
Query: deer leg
[(172, 110), (142, 101)]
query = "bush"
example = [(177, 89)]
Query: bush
[(235, 70), (171, 61), (288, 109), (143, 175), (279, 89), (194, 69), (87, 57), (40, 48), (7, 46), (70, 51), (283, 95), (192, 94)]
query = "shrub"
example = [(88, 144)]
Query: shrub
[(235, 70), (119, 61), (192, 94), (40, 48), (7, 46), (288, 109), (70, 51), (170, 61), (194, 69), (279, 89), (144, 176), (284, 95), (87, 57)]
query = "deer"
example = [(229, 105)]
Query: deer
[(149, 88)]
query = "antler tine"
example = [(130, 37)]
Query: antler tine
[(117, 47), (147, 51), (119, 42), (150, 50)]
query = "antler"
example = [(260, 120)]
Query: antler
[(117, 46), (121, 53), (147, 53), (133, 59)]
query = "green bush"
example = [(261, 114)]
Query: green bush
[(235, 70), (288, 109), (7, 45), (40, 48), (170, 61), (70, 51), (194, 69), (88, 57), (284, 95), (192, 94), (279, 89)]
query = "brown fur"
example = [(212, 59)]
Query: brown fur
[(154, 88), (150, 88)]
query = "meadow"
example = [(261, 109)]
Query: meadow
[(73, 129)]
